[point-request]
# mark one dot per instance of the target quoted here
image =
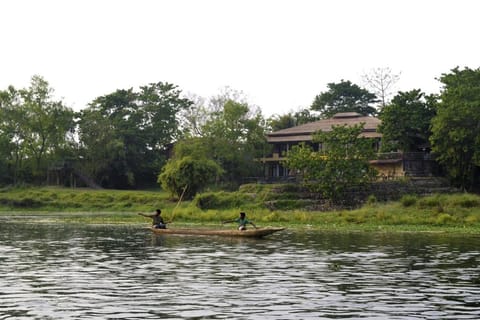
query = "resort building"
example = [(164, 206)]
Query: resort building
[(390, 165)]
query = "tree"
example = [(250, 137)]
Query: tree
[(188, 174), (39, 128), (342, 161), (279, 122), (344, 97), (5, 153), (456, 127), (194, 117), (406, 121), (132, 133), (236, 137), (12, 149), (217, 102), (381, 81)]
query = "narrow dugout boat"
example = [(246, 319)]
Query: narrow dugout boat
[(249, 233)]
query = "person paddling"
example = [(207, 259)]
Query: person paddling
[(242, 222), (157, 220)]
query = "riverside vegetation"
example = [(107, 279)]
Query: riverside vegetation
[(458, 212)]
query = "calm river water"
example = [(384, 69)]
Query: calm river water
[(54, 271)]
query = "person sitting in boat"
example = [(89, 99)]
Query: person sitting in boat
[(242, 222), (157, 220)]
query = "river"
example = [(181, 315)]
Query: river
[(56, 271)]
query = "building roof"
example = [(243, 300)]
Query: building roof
[(305, 131)]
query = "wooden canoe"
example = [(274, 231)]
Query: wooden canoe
[(249, 233)]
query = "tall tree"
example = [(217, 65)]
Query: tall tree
[(137, 131), (344, 97), (382, 82), (456, 127), (236, 137), (406, 121), (12, 148), (217, 102), (39, 127), (194, 118)]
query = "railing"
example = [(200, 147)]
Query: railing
[(379, 156), (389, 156)]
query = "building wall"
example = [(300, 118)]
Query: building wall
[(388, 171)]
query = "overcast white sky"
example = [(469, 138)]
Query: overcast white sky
[(281, 53)]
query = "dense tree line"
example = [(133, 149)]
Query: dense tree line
[(155, 134), (123, 139)]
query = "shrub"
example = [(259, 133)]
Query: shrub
[(444, 218), (408, 200), (371, 199), (221, 200), (473, 219), (467, 201), (430, 202), (188, 174), (26, 203)]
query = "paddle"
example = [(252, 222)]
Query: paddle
[(178, 203)]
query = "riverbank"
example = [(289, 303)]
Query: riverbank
[(457, 213)]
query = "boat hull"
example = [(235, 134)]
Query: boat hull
[(250, 233)]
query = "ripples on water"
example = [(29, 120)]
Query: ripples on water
[(117, 272)]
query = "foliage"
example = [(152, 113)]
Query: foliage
[(81, 200), (235, 137), (456, 126), (344, 96), (371, 200), (341, 162), (279, 122), (406, 121), (221, 200), (193, 118), (408, 200), (35, 130), (188, 175), (125, 135)]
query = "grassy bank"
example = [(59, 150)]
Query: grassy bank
[(452, 213)]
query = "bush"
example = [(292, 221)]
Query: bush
[(408, 200), (467, 201), (430, 202), (371, 199), (221, 200), (444, 218), (188, 175)]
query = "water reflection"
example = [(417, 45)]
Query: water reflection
[(101, 272)]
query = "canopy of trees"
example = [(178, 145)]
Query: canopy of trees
[(344, 97), (456, 127), (35, 131), (123, 139), (406, 122), (124, 136), (233, 137)]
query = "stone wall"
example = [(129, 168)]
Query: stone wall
[(383, 191)]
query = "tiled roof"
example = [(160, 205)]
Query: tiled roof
[(304, 132)]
